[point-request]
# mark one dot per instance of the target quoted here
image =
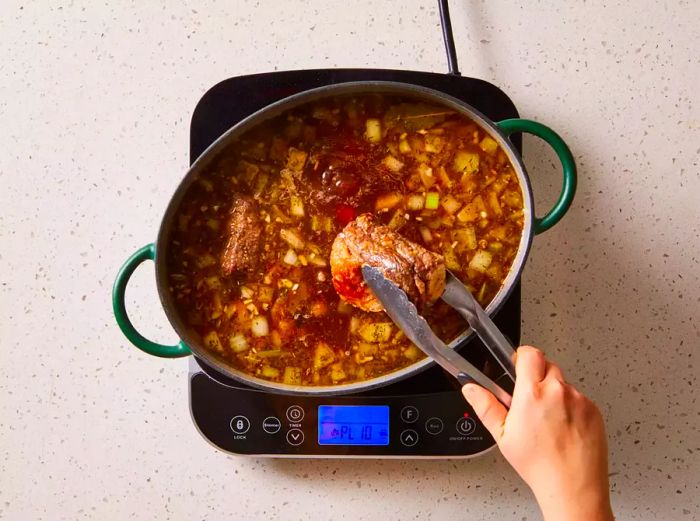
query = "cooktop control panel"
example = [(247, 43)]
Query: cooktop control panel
[(248, 421)]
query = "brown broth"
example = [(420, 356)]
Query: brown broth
[(327, 158)]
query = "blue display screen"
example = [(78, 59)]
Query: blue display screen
[(353, 425)]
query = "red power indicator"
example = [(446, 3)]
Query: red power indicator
[(466, 415)]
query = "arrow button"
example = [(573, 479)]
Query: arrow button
[(295, 437), (409, 437)]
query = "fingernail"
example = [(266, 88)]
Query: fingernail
[(468, 390)]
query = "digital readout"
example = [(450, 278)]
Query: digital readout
[(353, 425)]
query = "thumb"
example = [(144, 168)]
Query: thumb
[(490, 411)]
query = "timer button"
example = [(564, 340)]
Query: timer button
[(295, 413), (240, 424), (434, 426), (295, 437), (466, 426), (409, 414), (409, 437), (271, 425)]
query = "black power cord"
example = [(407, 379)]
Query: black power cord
[(448, 37)]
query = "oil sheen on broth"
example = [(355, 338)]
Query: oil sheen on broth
[(248, 260)]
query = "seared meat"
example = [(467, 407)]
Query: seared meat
[(419, 272), (245, 231)]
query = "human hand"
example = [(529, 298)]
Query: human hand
[(554, 438)]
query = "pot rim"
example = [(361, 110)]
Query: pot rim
[(191, 339)]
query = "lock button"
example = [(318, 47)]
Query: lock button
[(240, 424)]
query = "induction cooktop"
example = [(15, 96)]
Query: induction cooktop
[(423, 416)]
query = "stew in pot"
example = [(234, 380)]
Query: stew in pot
[(249, 261)]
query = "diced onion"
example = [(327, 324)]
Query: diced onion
[(481, 261), (415, 202), (296, 206), (290, 258), (392, 163), (238, 343), (292, 238), (246, 292), (259, 326)]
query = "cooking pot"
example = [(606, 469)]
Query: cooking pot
[(191, 342)]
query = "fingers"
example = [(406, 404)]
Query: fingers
[(490, 411), (553, 371), (530, 365)]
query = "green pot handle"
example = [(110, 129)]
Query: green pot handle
[(148, 252), (510, 126)]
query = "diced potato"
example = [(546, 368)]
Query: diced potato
[(296, 159), (259, 326), (392, 163), (269, 372), (451, 260), (337, 372), (465, 237), (204, 261), (397, 220), (411, 352), (238, 343), (450, 204), (472, 211), (266, 293), (415, 202), (404, 147), (387, 201), (367, 349), (499, 232), (211, 340), (513, 199), (213, 282), (323, 356), (296, 206), (494, 204), (488, 145), (466, 162), (344, 307), (494, 271), (373, 130), (292, 375), (443, 177), (434, 143), (292, 238), (362, 359), (317, 261), (481, 261), (376, 332)]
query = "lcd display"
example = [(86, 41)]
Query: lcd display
[(353, 425)]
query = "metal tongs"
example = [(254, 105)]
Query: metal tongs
[(405, 315)]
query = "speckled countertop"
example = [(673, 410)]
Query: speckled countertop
[(95, 101)]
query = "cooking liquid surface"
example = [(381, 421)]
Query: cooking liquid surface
[(428, 173)]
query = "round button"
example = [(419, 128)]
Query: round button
[(409, 437), (409, 414), (240, 424), (466, 425), (295, 413), (434, 426), (295, 437), (271, 425)]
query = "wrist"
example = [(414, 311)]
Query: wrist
[(594, 506)]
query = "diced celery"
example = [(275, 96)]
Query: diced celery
[(432, 200), (373, 130), (397, 220)]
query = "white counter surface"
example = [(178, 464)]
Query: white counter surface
[(95, 101)]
